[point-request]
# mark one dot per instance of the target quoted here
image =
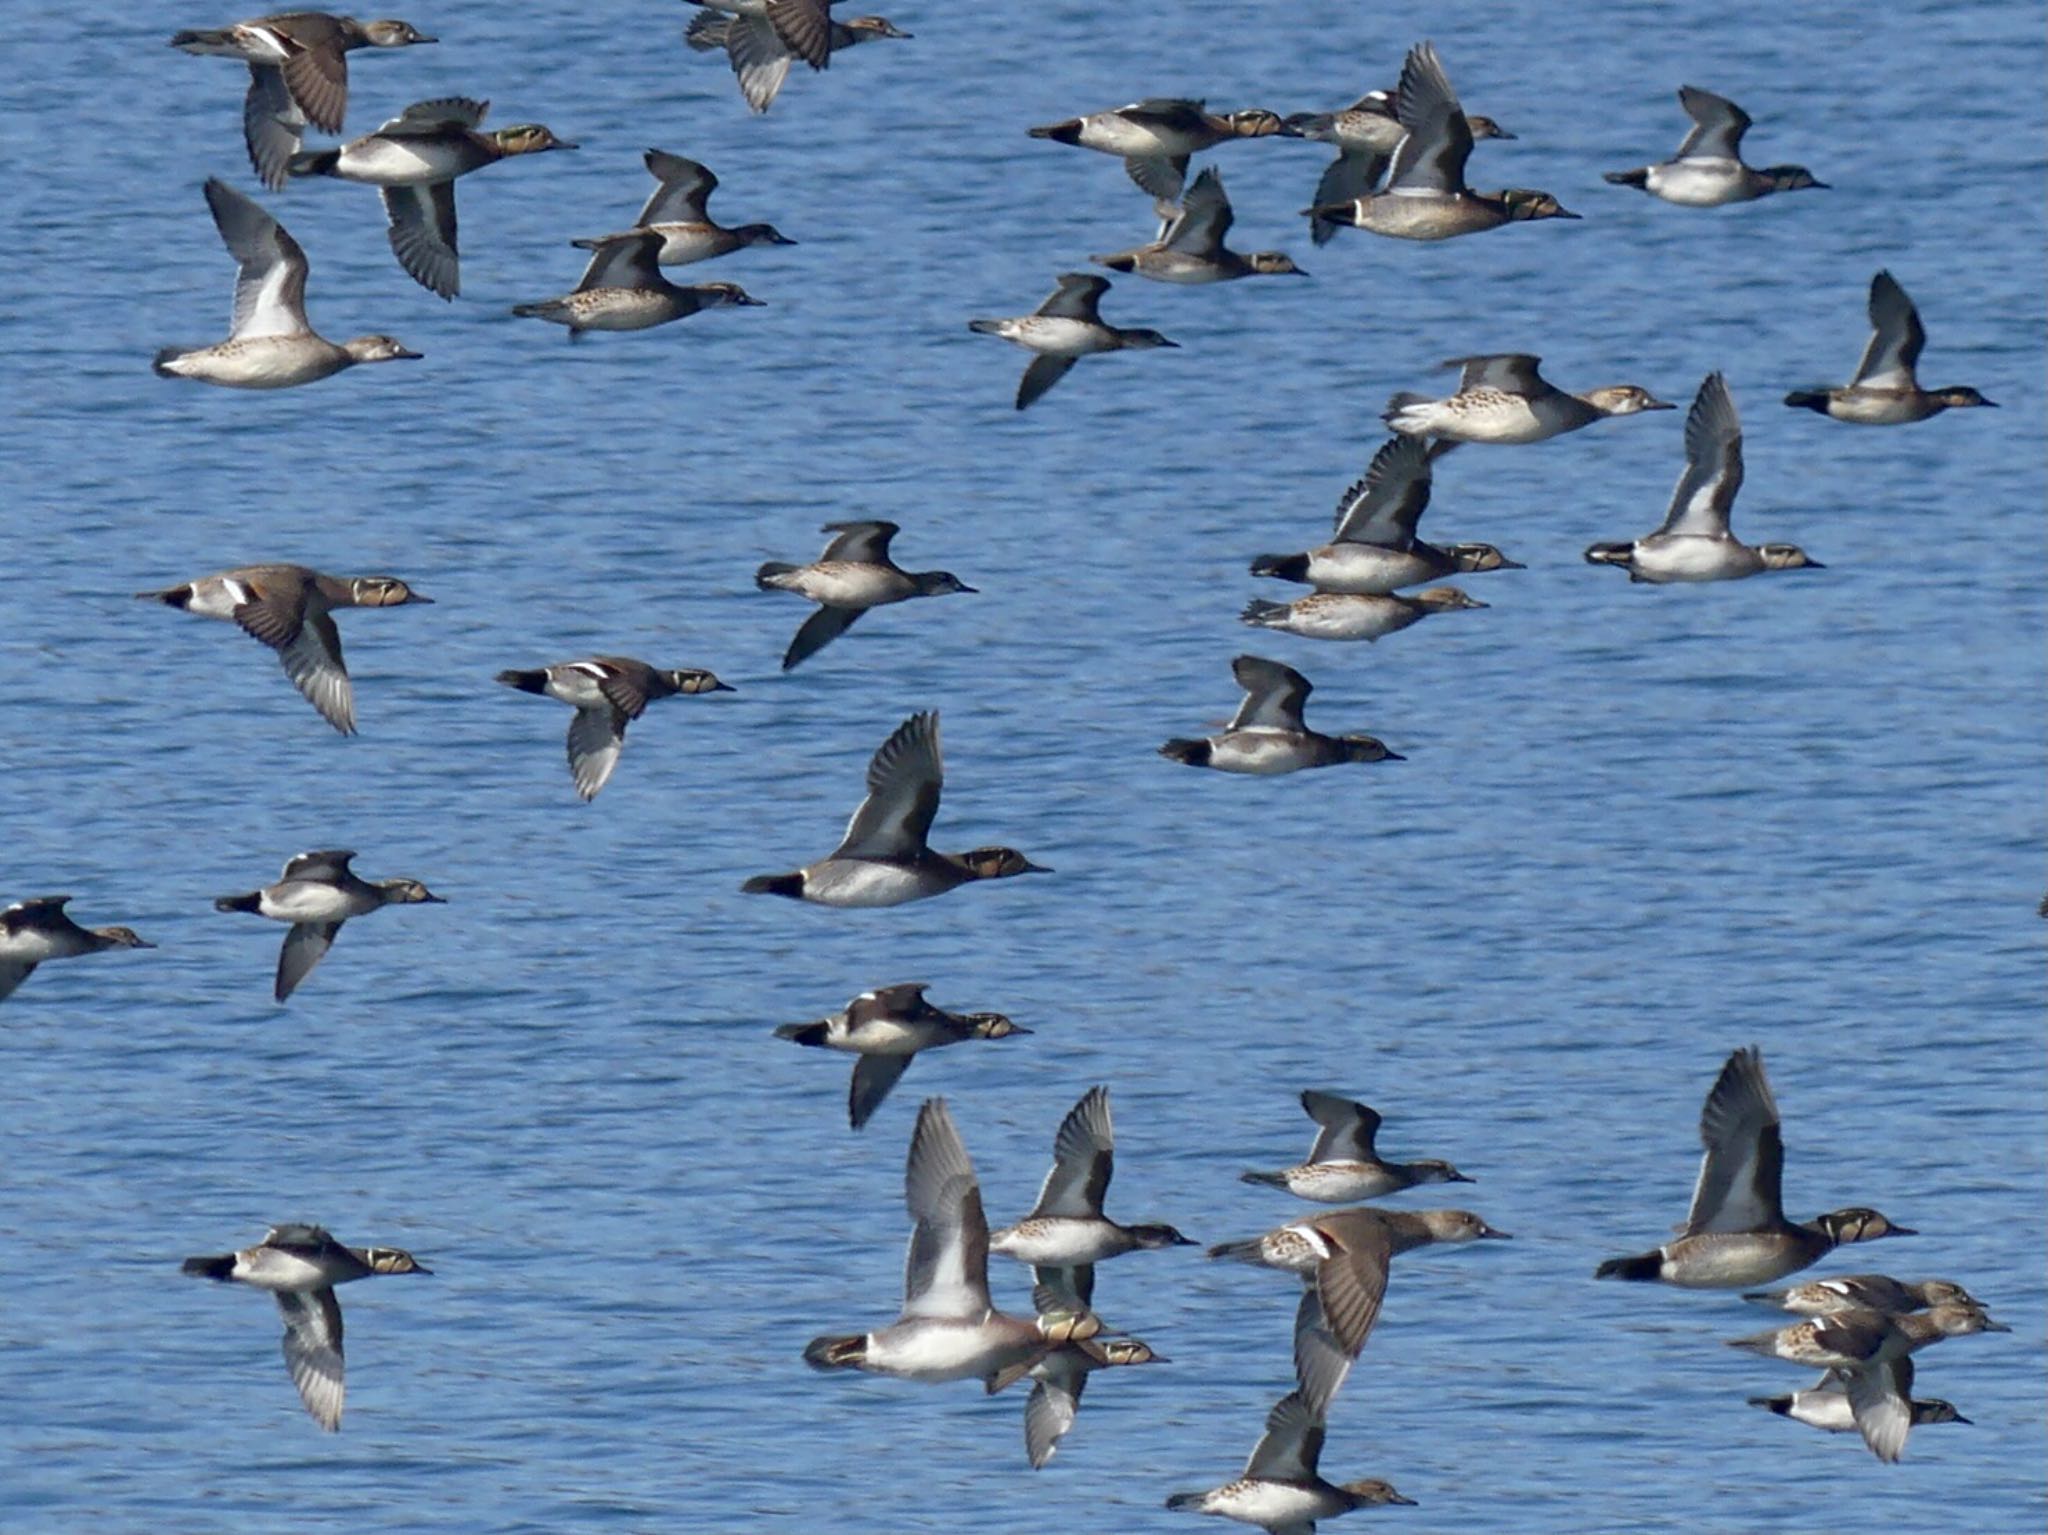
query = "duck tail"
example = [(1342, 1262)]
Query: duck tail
[(790, 885), (1765, 1343), (1610, 554), (769, 576), (1181, 749), (1185, 1500), (221, 1267), (1781, 1405), (526, 682), (253, 901), (706, 32), (1808, 399), (839, 1352), (1643, 1266), (986, 327), (1287, 567), (1237, 1252), (802, 1033), (161, 364), (1635, 178), (204, 42), (1068, 132), (314, 162), (1122, 261), (1264, 1180), (1263, 613), (170, 596)]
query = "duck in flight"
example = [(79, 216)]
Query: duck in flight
[(885, 859), (1155, 137), (1708, 171), (623, 289), (1694, 542), (1066, 1234), (300, 1266), (1502, 397), (35, 931), (608, 693), (316, 893), (1190, 248), (679, 211), (1342, 1165), (270, 343), (1736, 1233), (413, 161), (290, 608), (886, 1029), (1065, 328), (853, 575), (1375, 551), (1886, 389), (1267, 735), (1282, 1490)]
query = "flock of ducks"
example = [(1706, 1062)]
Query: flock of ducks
[(1399, 172)]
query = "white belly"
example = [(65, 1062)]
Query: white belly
[(396, 163), (1261, 752), (851, 882), (1682, 558), (261, 362), (1059, 1241), (933, 1349), (305, 901), (1365, 570), (1699, 183)]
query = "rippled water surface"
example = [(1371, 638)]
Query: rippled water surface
[(1636, 827)]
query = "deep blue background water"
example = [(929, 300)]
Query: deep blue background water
[(1636, 829)]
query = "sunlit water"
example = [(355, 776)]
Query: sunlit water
[(1636, 828)]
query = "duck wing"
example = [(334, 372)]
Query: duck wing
[(312, 1352), (1291, 1446), (597, 735), (1204, 218), (1897, 336), (436, 116), (312, 659), (270, 283), (904, 778), (1352, 175), (1509, 372), (1384, 507), (1881, 1401), (816, 632), (1273, 695), (625, 261), (859, 543), (1083, 1157), (873, 1077), (316, 74), (759, 60), (1437, 140), (1348, 1128), (1320, 1362), (1742, 1171), (1705, 494), (273, 127), (423, 235), (330, 866), (1054, 1404), (805, 27), (1718, 125), (12, 973), (1077, 297), (946, 1268), (682, 189), (304, 947), (1042, 373)]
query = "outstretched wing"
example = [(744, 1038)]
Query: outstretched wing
[(1896, 338), (1739, 1186), (904, 779), (1273, 695), (1718, 125), (1705, 494)]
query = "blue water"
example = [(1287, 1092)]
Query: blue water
[(1636, 827)]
